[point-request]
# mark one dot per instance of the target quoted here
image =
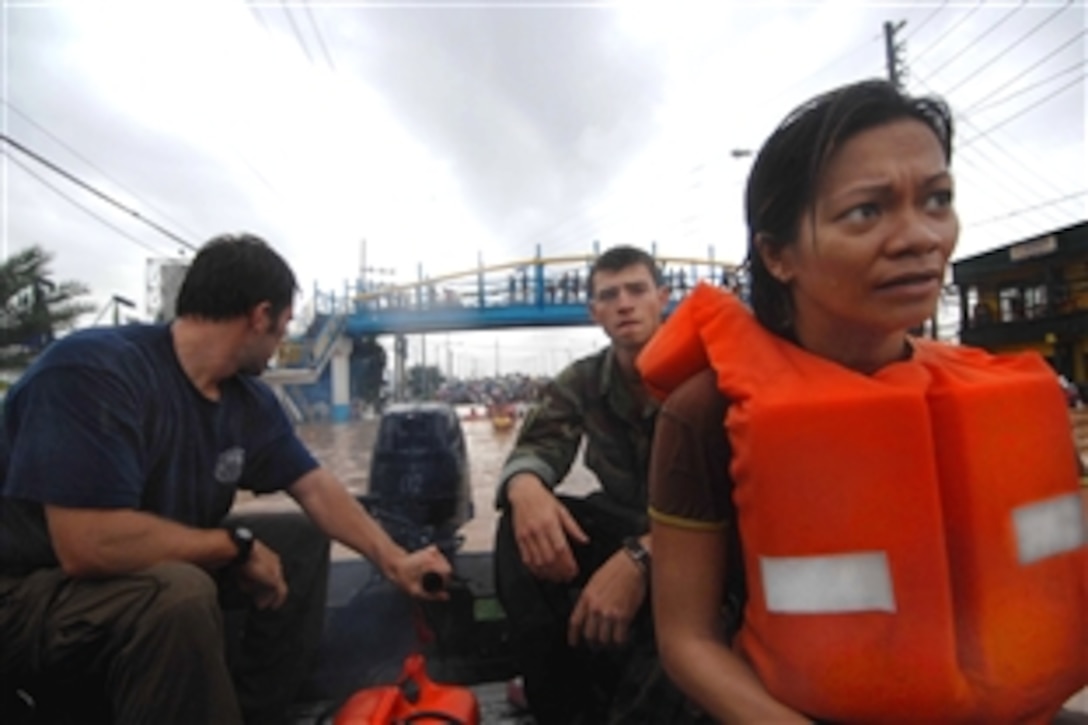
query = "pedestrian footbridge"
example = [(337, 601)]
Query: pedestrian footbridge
[(313, 370)]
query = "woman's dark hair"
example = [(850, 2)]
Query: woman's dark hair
[(233, 273), (616, 258), (783, 182)]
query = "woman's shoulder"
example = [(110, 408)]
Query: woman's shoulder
[(697, 398)]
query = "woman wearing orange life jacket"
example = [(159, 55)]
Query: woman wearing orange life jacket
[(906, 513)]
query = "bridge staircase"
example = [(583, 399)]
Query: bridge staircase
[(304, 362)]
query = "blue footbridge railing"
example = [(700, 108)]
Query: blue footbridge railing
[(535, 292)]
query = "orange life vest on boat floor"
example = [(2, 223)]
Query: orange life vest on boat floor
[(414, 698), (914, 541)]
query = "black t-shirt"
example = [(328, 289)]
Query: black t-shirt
[(107, 418)]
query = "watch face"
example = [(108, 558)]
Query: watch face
[(243, 533)]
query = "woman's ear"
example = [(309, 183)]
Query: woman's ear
[(775, 256)]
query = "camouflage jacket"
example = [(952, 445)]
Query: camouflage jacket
[(589, 399)]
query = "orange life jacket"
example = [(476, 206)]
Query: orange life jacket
[(414, 698), (913, 540)]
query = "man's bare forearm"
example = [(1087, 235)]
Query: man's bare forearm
[(337, 513), (109, 542)]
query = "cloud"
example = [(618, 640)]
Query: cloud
[(534, 111), (442, 131)]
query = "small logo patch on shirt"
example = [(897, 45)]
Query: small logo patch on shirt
[(228, 469)]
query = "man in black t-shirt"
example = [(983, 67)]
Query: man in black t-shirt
[(121, 451)]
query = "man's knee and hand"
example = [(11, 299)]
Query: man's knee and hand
[(575, 595), (121, 451)]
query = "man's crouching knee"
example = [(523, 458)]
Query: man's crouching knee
[(181, 605)]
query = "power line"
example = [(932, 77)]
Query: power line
[(1030, 169), (949, 30), (255, 11), (26, 117), (962, 116), (1023, 210), (254, 8), (972, 75), (969, 46), (998, 182), (294, 29), (1022, 111), (1035, 65), (101, 195), (1005, 99), (985, 164), (79, 206), (320, 38), (925, 20), (1000, 147)]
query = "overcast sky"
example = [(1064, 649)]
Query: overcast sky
[(442, 132)]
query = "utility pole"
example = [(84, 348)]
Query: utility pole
[(892, 50), (896, 73)]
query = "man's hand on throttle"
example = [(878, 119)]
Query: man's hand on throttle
[(408, 571)]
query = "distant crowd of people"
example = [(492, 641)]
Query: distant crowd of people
[(502, 389)]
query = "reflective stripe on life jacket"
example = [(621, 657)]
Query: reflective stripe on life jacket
[(913, 540)]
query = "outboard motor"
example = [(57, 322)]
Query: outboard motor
[(419, 479)]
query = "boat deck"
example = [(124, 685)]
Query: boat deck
[(371, 627)]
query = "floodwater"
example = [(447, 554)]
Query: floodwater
[(345, 449)]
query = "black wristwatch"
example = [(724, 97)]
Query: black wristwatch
[(243, 539), (638, 553)]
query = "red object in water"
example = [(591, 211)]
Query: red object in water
[(415, 698)]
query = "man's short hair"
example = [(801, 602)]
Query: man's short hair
[(232, 274), (622, 257)]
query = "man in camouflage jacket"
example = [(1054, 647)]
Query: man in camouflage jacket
[(573, 573)]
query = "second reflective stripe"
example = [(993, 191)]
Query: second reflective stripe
[(1048, 528), (858, 582)]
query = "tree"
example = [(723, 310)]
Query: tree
[(33, 308), (423, 381), (367, 371)]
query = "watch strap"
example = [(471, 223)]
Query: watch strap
[(633, 547), (243, 540)]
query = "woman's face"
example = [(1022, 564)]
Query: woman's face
[(870, 255)]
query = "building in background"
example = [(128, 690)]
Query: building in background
[(1030, 295), (164, 277)]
